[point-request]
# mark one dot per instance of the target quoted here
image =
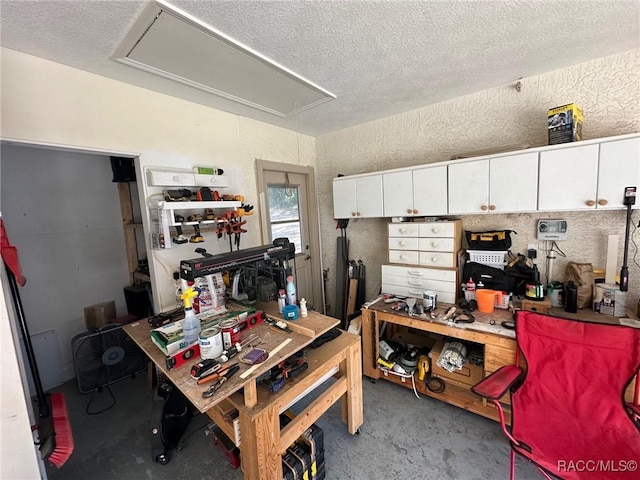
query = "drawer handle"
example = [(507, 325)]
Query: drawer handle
[(416, 273), (590, 203), (414, 282), (435, 229), (403, 257), (413, 292), (435, 258), (402, 230), (602, 201), (176, 178), (213, 180), (401, 243), (434, 244)]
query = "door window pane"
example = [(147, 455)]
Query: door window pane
[(284, 214)]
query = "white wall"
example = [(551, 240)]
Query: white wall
[(45, 102), (62, 211), (607, 89)]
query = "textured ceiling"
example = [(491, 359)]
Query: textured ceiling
[(379, 57)]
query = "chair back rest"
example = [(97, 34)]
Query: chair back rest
[(576, 368)]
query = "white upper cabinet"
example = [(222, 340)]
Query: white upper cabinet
[(498, 185), (358, 197), (568, 178), (513, 183), (469, 187), (619, 168), (418, 192)]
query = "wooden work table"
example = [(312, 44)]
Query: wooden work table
[(498, 343), (257, 410)]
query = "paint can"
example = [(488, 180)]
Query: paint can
[(210, 343), (230, 333), (429, 300)]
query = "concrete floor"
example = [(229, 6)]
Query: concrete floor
[(403, 437)]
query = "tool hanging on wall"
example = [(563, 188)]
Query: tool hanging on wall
[(179, 238), (629, 200), (197, 236)]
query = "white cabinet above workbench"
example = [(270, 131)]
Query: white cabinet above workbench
[(358, 197), (585, 175), (589, 177), (415, 192), (496, 185)]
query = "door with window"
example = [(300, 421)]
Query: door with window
[(288, 196)]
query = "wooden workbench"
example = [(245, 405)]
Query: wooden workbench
[(498, 343), (258, 410)]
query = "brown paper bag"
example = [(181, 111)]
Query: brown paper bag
[(582, 275)]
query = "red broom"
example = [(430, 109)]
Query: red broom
[(54, 430)]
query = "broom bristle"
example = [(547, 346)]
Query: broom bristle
[(62, 429)]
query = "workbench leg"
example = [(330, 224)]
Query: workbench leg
[(352, 412), (370, 344), (259, 448)]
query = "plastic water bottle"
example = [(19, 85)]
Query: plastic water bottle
[(291, 291)]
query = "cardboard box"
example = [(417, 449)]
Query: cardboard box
[(469, 374), (609, 300), (564, 124), (540, 306), (99, 315)]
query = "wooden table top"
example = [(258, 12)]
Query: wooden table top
[(304, 331)]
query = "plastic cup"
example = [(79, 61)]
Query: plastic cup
[(487, 299)]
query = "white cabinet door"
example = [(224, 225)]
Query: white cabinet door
[(619, 168), (513, 183), (369, 196), (469, 187), (430, 191), (398, 194), (344, 197), (568, 178)]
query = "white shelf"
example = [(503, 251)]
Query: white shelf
[(198, 205)]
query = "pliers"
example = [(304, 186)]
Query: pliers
[(222, 377)]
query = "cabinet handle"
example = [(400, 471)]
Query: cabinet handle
[(483, 208), (357, 214), (213, 179), (409, 210), (415, 212), (401, 243), (353, 214), (492, 207), (414, 282), (434, 244), (175, 178), (590, 203), (413, 292), (402, 230), (415, 272), (602, 201), (403, 257), (435, 229), (434, 259)]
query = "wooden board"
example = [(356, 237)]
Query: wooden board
[(353, 295)]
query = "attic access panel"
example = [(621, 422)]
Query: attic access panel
[(171, 43)]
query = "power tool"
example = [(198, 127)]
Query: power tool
[(423, 367)]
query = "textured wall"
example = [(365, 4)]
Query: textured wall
[(608, 90)]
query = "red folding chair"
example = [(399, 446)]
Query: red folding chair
[(569, 416)]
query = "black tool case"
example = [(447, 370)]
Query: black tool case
[(308, 448)]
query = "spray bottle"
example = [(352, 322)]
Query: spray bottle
[(191, 323)]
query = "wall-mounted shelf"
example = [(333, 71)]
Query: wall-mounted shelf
[(199, 205)]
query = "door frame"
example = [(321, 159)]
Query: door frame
[(314, 216)]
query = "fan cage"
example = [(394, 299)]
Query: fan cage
[(104, 357)]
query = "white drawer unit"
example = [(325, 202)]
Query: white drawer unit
[(428, 244), (184, 178), (413, 281)]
